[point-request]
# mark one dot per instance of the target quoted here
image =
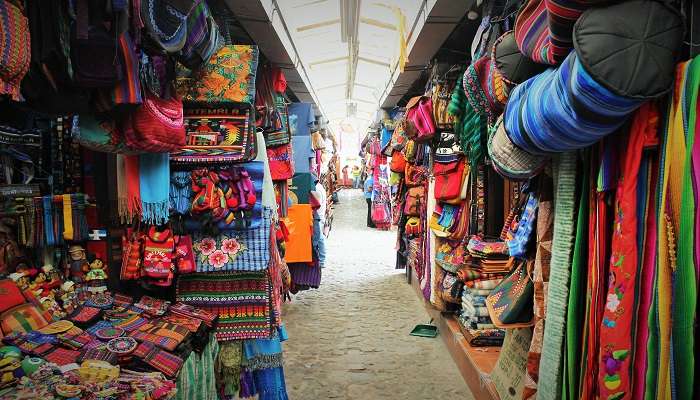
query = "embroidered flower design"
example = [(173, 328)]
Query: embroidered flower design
[(206, 246), (217, 259), (230, 246), (613, 302)]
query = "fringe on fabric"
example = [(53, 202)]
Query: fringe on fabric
[(122, 192), (270, 384), (247, 384), (228, 367)]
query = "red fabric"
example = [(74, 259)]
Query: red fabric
[(279, 81), (448, 179), (398, 162), (419, 119), (10, 294), (616, 342), (281, 162), (156, 126)]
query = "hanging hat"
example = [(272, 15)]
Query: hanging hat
[(509, 160), (514, 66), (564, 109), (630, 47), (448, 149)]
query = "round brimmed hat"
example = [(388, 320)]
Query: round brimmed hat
[(630, 47), (509, 160)]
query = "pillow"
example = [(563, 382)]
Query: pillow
[(23, 318), (630, 47), (10, 294)]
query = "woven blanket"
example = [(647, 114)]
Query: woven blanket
[(305, 275), (240, 299), (247, 250)]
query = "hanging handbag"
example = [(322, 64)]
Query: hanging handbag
[(132, 248), (413, 227), (415, 201), (184, 255), (518, 239), (158, 252), (461, 228), (420, 125), (398, 162), (15, 49), (217, 135), (228, 77), (156, 126), (281, 162), (510, 302), (442, 94), (449, 178), (415, 175)]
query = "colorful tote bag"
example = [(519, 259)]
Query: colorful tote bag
[(217, 135), (228, 77), (246, 250), (283, 135)]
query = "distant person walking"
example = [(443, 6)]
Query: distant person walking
[(369, 187), (355, 177), (346, 178)]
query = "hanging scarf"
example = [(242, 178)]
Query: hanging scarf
[(133, 186), (67, 217), (617, 332), (154, 185), (262, 353), (49, 229), (122, 191), (574, 320), (548, 387), (228, 367), (270, 384)]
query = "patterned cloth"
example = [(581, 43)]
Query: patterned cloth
[(15, 45), (228, 77), (241, 299), (246, 250), (197, 379), (304, 274)]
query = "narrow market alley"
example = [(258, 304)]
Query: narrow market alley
[(351, 335)]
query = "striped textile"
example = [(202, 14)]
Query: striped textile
[(240, 299), (197, 379), (304, 274), (128, 90), (549, 385), (564, 109)]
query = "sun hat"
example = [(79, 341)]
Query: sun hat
[(509, 160), (630, 47)]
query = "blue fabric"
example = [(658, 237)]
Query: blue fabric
[(301, 118), (319, 243), (369, 184), (564, 109), (302, 152), (517, 246), (270, 384)]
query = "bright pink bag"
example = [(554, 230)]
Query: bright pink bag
[(420, 125)]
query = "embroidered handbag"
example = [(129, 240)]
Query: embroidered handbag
[(450, 288), (283, 135), (158, 252), (228, 77), (449, 178), (420, 125), (415, 175), (442, 94), (217, 135), (413, 227), (15, 49), (398, 162), (156, 125), (184, 255), (409, 151), (461, 228), (380, 213), (415, 201), (132, 247), (510, 302)]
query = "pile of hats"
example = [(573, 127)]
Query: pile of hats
[(561, 96)]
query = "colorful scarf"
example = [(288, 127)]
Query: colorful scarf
[(270, 384), (122, 190), (263, 353), (548, 387), (154, 187), (197, 379), (133, 186), (228, 367), (617, 331)]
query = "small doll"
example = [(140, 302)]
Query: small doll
[(97, 277), (78, 264)]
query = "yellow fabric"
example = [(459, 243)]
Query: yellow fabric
[(674, 161), (67, 218)]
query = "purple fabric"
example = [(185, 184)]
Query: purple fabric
[(305, 274)]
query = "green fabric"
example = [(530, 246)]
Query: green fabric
[(549, 385), (684, 282), (197, 379), (576, 305)]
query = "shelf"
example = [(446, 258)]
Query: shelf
[(474, 363)]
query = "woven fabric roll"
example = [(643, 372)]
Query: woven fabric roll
[(564, 109)]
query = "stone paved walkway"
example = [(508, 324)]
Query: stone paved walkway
[(349, 339)]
